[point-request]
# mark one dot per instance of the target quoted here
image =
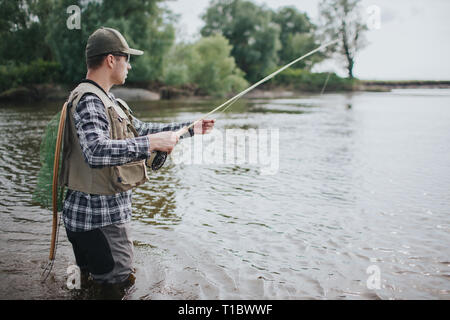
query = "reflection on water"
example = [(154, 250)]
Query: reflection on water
[(155, 202), (362, 184)]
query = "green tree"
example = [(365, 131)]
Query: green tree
[(179, 63), (341, 19), (297, 37), (142, 23), (21, 31), (251, 32)]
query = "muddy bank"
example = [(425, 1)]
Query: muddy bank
[(61, 92), (51, 92)]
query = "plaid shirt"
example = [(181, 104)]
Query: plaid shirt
[(82, 211)]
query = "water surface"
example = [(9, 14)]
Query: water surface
[(362, 184)]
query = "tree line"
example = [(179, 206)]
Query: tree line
[(240, 42)]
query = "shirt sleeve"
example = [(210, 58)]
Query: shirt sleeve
[(144, 128), (99, 150)]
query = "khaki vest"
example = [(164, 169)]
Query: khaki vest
[(76, 174)]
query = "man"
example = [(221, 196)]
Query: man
[(104, 154)]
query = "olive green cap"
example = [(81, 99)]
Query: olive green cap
[(106, 40)]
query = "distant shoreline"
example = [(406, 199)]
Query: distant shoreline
[(52, 92), (385, 85)]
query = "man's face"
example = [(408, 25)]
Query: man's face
[(120, 70)]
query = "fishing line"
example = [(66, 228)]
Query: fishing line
[(326, 81), (224, 109), (270, 76)]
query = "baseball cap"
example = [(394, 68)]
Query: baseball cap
[(106, 40)]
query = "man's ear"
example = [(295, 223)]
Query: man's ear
[(110, 60)]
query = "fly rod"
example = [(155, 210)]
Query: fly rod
[(158, 158)]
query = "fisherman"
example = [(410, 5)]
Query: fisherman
[(104, 155)]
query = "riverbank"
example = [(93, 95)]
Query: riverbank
[(54, 92), (60, 93)]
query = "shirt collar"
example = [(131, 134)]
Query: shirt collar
[(95, 84)]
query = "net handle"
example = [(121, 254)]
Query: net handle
[(62, 120)]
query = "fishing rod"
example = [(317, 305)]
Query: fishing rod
[(157, 158)]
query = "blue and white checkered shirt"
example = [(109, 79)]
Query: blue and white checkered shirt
[(82, 211)]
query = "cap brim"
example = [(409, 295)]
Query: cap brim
[(134, 52)]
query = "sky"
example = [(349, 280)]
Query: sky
[(411, 42)]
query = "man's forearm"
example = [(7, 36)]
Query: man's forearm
[(98, 148), (107, 152), (145, 128)]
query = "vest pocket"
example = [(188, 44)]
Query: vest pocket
[(129, 175)]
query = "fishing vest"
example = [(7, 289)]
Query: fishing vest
[(76, 174)]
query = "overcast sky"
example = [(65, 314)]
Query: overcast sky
[(413, 41)]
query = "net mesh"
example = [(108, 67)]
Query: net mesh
[(42, 194)]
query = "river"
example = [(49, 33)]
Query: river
[(346, 196)]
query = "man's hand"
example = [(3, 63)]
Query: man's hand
[(163, 141), (203, 126)]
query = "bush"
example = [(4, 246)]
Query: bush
[(177, 64), (176, 75), (38, 71), (206, 63)]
